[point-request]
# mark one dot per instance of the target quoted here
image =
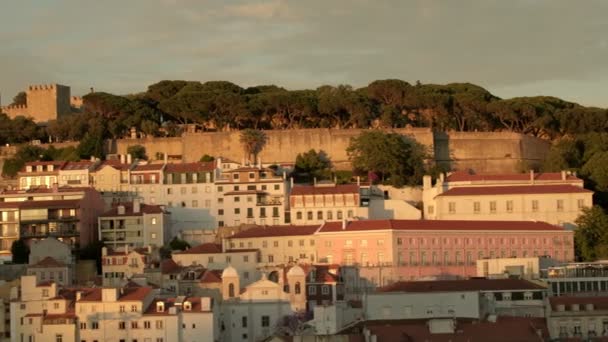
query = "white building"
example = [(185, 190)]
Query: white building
[(578, 318), (135, 224), (526, 268)]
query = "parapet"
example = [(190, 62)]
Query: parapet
[(38, 87), (14, 107)]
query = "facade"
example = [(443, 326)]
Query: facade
[(135, 224), (111, 176), (39, 174), (578, 318), (526, 268), (278, 245), (118, 266), (556, 198), (44, 103), (391, 250), (315, 204), (571, 279), (250, 195), (49, 269), (44, 312), (68, 214), (77, 174)]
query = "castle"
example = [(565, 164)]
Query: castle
[(45, 103)]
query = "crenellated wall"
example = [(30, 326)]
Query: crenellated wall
[(44, 103)]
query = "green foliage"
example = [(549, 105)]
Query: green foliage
[(137, 152), (207, 158), (312, 164), (20, 99), (253, 141), (20, 252), (398, 159), (19, 130), (178, 244), (591, 235)]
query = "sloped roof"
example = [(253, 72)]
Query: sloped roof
[(48, 262), (270, 231), (206, 248), (364, 225), (190, 167), (463, 176), (211, 276), (599, 302), (300, 190), (462, 285), (514, 190), (168, 266), (143, 209)]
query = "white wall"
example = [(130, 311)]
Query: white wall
[(399, 305)]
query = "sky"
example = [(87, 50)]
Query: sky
[(510, 47)]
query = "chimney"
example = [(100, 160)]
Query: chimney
[(441, 178), (358, 180), (126, 249), (314, 181), (531, 176), (104, 251), (427, 182), (291, 182), (260, 162), (284, 175), (344, 223), (121, 209), (136, 206), (122, 158), (129, 158), (78, 295), (563, 175), (165, 157), (205, 304)]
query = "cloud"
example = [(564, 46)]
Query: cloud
[(262, 10)]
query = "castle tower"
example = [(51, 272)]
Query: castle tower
[(230, 283), (296, 278), (48, 102)]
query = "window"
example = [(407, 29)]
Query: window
[(493, 207), (509, 206), (534, 205), (94, 325), (275, 243), (146, 324), (312, 290), (580, 203), (299, 215), (133, 324), (45, 293), (328, 244), (309, 215), (237, 210), (277, 186), (380, 242), (159, 324), (237, 199), (133, 308), (289, 243), (364, 259), (244, 321), (122, 308), (339, 214), (399, 241), (325, 289), (270, 258), (348, 243), (330, 215), (319, 215), (122, 325), (58, 338), (560, 205), (83, 325), (452, 207), (430, 209), (476, 207), (265, 321)]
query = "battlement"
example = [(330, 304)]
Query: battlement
[(40, 87), (14, 107)]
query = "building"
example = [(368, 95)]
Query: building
[(251, 195), (68, 214), (42, 312), (556, 198), (391, 250), (112, 176), (135, 224), (315, 204), (77, 174), (531, 268), (589, 278), (120, 265), (212, 256), (278, 245), (39, 174), (45, 103), (578, 318)]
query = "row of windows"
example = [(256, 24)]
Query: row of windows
[(237, 211), (492, 206), (291, 258), (158, 339), (251, 220), (135, 325), (290, 243), (478, 241), (329, 215), (252, 187)]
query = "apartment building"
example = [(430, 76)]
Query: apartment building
[(44, 312), (122, 264), (111, 176), (576, 278), (40, 174), (315, 204), (68, 214), (278, 245), (556, 198), (578, 318), (250, 195), (135, 224)]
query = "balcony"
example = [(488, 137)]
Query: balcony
[(41, 233), (269, 202), (75, 182)]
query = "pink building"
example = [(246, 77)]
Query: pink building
[(390, 250)]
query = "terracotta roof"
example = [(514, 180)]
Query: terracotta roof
[(463, 176), (190, 167), (147, 167), (599, 302), (269, 231), (79, 165), (48, 262), (462, 285), (206, 248), (437, 225), (134, 293), (211, 276), (144, 209), (90, 295), (63, 204), (51, 162), (514, 190), (115, 164), (505, 329), (45, 283), (300, 190), (168, 266)]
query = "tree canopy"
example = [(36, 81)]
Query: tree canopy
[(312, 164), (20, 252), (591, 235), (395, 158), (253, 141)]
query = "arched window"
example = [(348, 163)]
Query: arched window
[(231, 290), (297, 288)]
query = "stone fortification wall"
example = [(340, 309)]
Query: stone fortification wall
[(480, 151), (44, 103)]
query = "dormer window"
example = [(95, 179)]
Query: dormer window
[(39, 168), (160, 307), (50, 167), (28, 168), (187, 306)]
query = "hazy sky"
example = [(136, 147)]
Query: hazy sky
[(510, 47)]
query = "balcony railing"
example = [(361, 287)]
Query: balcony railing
[(269, 202), (44, 233)]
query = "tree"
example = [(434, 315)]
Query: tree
[(92, 252), (591, 235), (312, 164), (207, 158), (178, 244), (20, 252), (20, 99), (398, 159), (137, 152), (253, 141)]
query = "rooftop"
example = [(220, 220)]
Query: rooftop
[(463, 176), (599, 302), (143, 209), (206, 248), (148, 167), (333, 189), (48, 262), (270, 231), (190, 167), (364, 225), (462, 285), (514, 190)]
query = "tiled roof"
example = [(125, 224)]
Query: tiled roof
[(599, 302), (364, 225), (300, 190), (462, 176), (51, 162), (79, 165), (115, 164), (206, 248), (270, 231), (143, 209), (190, 167), (514, 190), (147, 167), (48, 262), (168, 266), (61, 204), (134, 293), (211, 276), (505, 329), (462, 285)]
